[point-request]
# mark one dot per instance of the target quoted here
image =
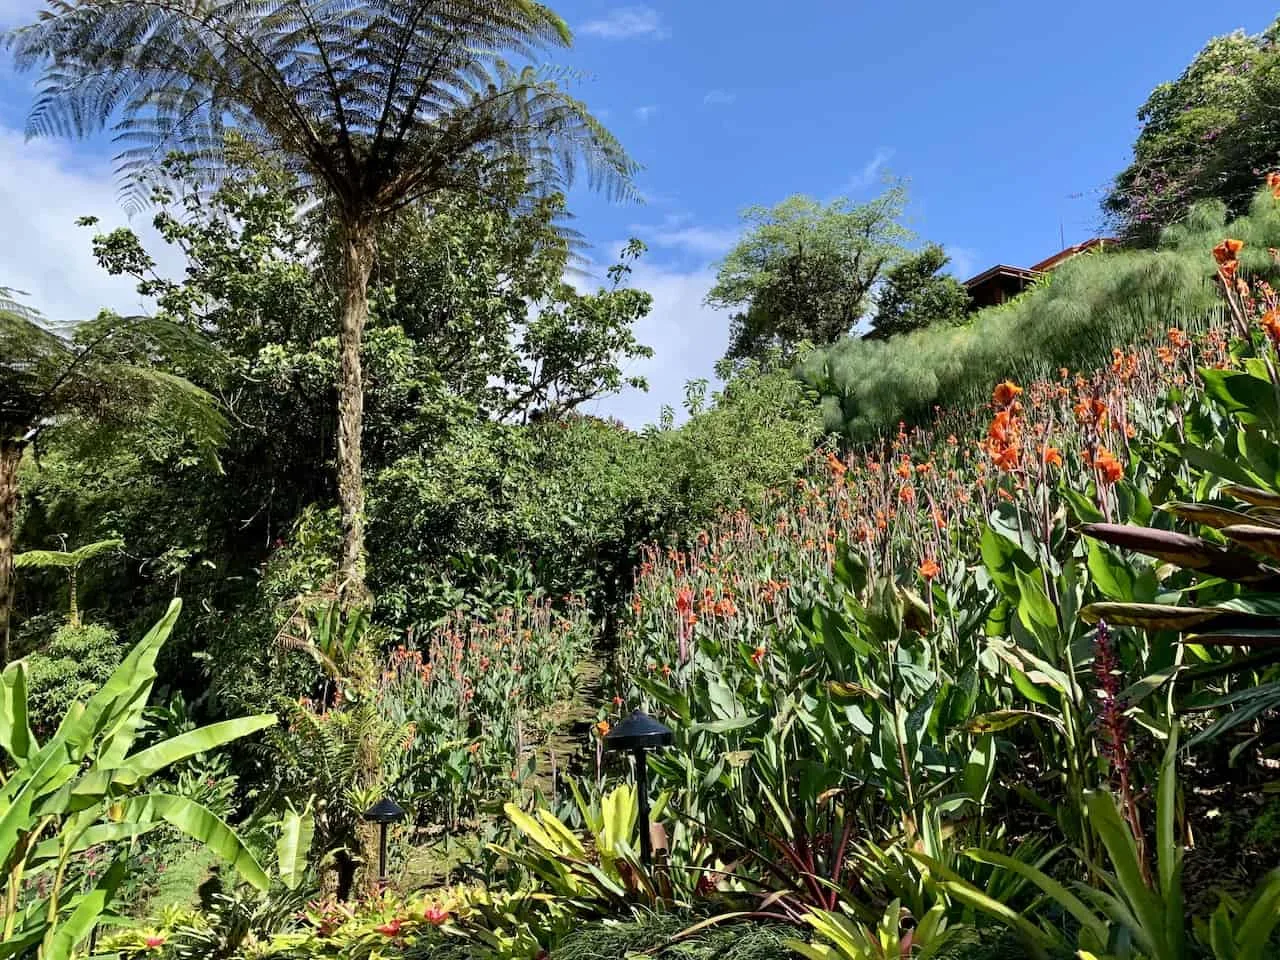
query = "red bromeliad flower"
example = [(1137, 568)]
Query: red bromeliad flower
[(390, 928), (154, 943), (436, 915)]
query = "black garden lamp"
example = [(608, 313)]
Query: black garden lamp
[(384, 813), (636, 735)]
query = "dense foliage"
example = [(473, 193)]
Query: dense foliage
[(984, 666), (1208, 135)]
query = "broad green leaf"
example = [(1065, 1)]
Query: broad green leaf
[(201, 824), (153, 759), (61, 941), (15, 728), (293, 846)]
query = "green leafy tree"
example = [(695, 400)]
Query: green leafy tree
[(107, 372), (1208, 135), (377, 105), (916, 295), (805, 271)]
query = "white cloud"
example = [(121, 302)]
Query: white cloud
[(625, 22), (964, 261), (677, 232), (43, 252), (719, 97), (643, 114), (711, 242), (869, 173), (687, 339)]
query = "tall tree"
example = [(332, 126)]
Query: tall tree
[(106, 372), (915, 294), (375, 104), (1208, 135), (804, 271)]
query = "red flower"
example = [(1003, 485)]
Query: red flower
[(684, 600), (154, 943), (436, 915), (390, 929)]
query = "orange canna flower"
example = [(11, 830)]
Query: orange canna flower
[(929, 568), (1273, 184), (836, 465), (1108, 466), (602, 729), (903, 469), (1051, 456), (1005, 393), (1270, 322), (907, 494), (757, 655), (1008, 457), (1227, 250)]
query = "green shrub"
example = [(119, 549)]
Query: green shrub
[(76, 662)]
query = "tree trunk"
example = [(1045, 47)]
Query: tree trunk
[(357, 262), (10, 459)]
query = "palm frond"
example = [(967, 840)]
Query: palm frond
[(374, 102)]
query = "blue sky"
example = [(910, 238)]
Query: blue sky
[(1008, 119)]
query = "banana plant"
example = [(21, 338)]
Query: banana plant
[(86, 789)]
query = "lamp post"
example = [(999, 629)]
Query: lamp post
[(384, 813), (636, 735)]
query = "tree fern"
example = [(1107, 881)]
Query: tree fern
[(374, 104)]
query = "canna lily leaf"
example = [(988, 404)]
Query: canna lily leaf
[(1185, 551), (1254, 495), (998, 720), (1150, 616), (1236, 638), (1259, 539), (1208, 514)]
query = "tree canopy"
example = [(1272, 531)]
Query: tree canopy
[(373, 104), (915, 294), (1210, 134), (805, 270)]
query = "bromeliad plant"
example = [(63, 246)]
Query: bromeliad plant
[(85, 789)]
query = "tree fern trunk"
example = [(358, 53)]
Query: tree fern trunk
[(357, 262), (10, 460)]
